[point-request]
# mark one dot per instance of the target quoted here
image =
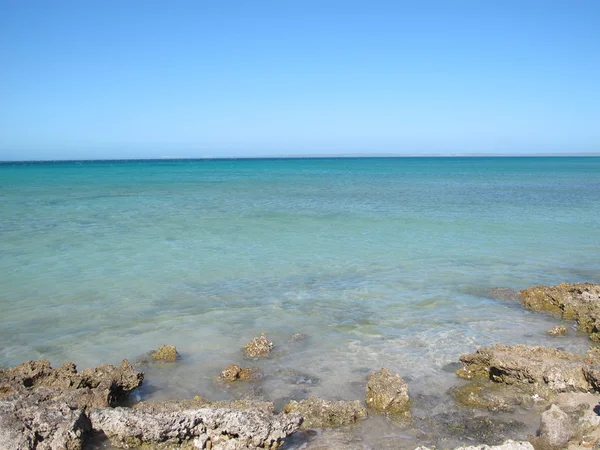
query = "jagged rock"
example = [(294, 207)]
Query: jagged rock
[(41, 420), (555, 428), (99, 386), (236, 373), (387, 392), (507, 445), (45, 409), (319, 413), (491, 396), (580, 302), (259, 347), (558, 330), (165, 353), (542, 369), (216, 428)]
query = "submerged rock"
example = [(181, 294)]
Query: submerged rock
[(295, 377), (234, 372), (491, 396), (580, 302), (387, 392), (502, 293), (558, 330), (319, 413), (215, 428), (298, 337), (259, 347), (543, 370), (165, 353), (556, 428), (459, 425), (507, 445)]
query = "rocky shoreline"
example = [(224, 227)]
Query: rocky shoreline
[(45, 408)]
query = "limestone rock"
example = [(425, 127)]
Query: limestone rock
[(45, 409), (558, 330), (41, 420), (572, 301), (99, 386), (234, 372), (319, 413), (555, 428), (216, 428), (387, 392), (259, 347), (543, 369), (165, 353)]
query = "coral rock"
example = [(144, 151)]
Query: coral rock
[(259, 347)]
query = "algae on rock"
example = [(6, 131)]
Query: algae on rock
[(580, 302), (319, 413), (388, 392)]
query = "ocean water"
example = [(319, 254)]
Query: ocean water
[(379, 261)]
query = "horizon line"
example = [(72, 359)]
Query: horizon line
[(317, 156)]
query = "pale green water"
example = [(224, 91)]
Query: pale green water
[(379, 261)]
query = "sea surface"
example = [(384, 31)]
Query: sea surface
[(378, 261)]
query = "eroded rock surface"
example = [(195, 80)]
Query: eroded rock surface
[(103, 385), (259, 347), (387, 392), (165, 353), (45, 408), (216, 428), (41, 420), (580, 302), (556, 428), (319, 413), (543, 370), (234, 372)]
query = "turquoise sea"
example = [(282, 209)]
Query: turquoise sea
[(379, 261)]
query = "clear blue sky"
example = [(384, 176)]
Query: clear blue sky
[(144, 78)]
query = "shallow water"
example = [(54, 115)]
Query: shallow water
[(381, 262)]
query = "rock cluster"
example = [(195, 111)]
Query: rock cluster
[(45, 408), (580, 302), (319, 413)]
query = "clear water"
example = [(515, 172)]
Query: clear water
[(381, 262)]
